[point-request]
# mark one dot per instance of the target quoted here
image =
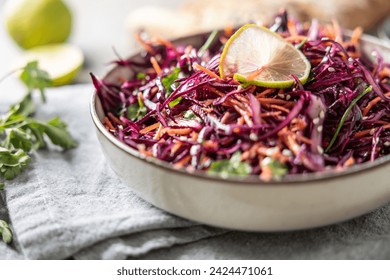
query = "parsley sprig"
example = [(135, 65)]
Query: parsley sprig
[(20, 133)]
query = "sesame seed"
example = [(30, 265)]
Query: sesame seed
[(316, 120), (253, 137), (320, 128), (322, 114), (331, 69), (320, 150), (387, 143), (288, 97), (286, 152), (281, 95), (372, 131)]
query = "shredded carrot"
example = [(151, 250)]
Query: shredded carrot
[(270, 114), (155, 65), (149, 128), (349, 162), (159, 132), (183, 161), (225, 117), (207, 71), (114, 119), (265, 93), (142, 42), (368, 131), (385, 72), (165, 42), (178, 131), (372, 103), (357, 32), (195, 135), (280, 108), (292, 28), (274, 101), (229, 30), (108, 123), (337, 31), (176, 147)]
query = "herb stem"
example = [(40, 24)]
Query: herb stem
[(345, 115), (208, 43)]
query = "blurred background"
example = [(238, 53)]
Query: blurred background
[(95, 27)]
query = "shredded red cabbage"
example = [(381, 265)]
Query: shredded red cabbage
[(177, 109)]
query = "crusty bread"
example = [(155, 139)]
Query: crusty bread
[(202, 15)]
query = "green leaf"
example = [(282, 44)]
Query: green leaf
[(56, 130), (35, 78), (189, 115), (1, 186), (175, 102), (18, 139), (136, 111), (25, 107), (169, 80), (12, 163), (232, 166), (277, 168), (5, 232), (141, 76)]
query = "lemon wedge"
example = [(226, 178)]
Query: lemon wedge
[(256, 55), (61, 61)]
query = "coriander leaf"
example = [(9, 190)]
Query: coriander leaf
[(12, 163), (25, 107), (175, 102), (136, 111), (18, 139), (169, 80), (232, 166), (35, 78), (56, 130), (5, 232), (189, 115), (277, 168)]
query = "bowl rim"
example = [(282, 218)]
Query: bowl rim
[(293, 179)]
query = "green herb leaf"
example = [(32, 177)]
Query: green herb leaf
[(18, 139), (141, 76), (175, 102), (35, 78), (189, 115), (232, 166), (12, 163), (1, 186), (5, 232), (136, 111), (25, 107), (169, 80), (277, 168), (56, 130)]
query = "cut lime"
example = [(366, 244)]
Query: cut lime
[(256, 55), (61, 61)]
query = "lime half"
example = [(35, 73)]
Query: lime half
[(256, 55), (61, 61)]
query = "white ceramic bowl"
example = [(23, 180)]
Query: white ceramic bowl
[(300, 201)]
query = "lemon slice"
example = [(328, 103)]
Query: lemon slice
[(256, 55), (61, 61)]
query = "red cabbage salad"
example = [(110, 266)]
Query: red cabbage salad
[(178, 109)]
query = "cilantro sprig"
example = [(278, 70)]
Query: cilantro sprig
[(21, 134)]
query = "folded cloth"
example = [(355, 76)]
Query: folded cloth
[(72, 202)]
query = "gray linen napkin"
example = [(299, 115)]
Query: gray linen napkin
[(69, 201)]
